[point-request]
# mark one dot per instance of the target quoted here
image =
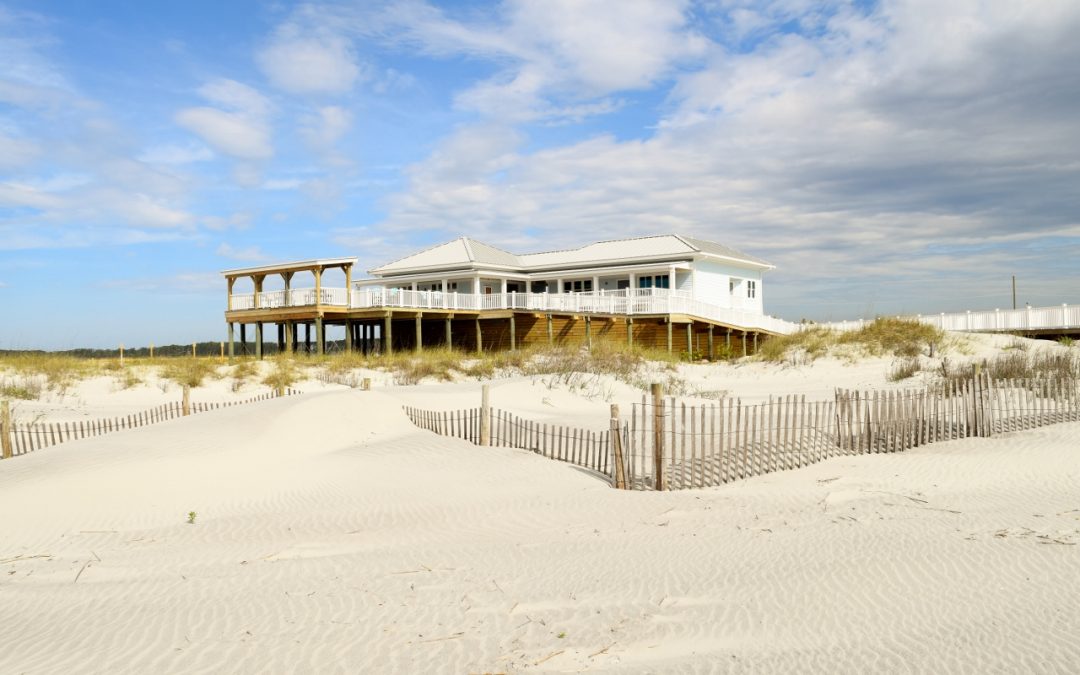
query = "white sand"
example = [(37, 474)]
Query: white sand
[(332, 536)]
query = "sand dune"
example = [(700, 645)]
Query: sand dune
[(332, 536)]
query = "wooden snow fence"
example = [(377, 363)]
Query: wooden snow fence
[(19, 438), (672, 445), (586, 448)]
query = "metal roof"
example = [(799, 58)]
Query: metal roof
[(467, 253)]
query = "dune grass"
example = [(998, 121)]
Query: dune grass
[(881, 337)]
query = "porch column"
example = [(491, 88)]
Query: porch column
[(232, 349), (419, 333), (257, 282), (243, 339), (503, 291), (479, 338), (513, 333), (449, 334), (348, 336), (476, 288), (348, 291), (671, 278), (318, 286), (287, 278), (712, 349), (446, 298), (231, 282), (258, 340), (633, 281), (596, 284), (320, 336), (558, 285), (387, 334), (669, 335)]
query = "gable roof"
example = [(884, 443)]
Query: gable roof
[(466, 252), (460, 252)]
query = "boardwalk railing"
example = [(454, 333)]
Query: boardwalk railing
[(1058, 317), (24, 437), (582, 447), (672, 445)]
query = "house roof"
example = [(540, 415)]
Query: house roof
[(466, 252), (297, 266), (461, 252)]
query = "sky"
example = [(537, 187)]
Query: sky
[(901, 156)]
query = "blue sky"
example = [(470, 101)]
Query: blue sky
[(899, 156)]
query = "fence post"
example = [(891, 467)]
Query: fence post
[(5, 430), (617, 449), (658, 435), (121, 354), (485, 416), (186, 405)]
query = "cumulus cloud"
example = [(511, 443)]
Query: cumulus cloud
[(856, 144), (238, 127), (309, 64)]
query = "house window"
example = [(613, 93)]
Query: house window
[(751, 289), (622, 284), (658, 281), (579, 286)]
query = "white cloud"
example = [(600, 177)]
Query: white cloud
[(250, 253), (241, 220), (176, 154), (16, 153), (309, 64), (326, 127), (242, 130)]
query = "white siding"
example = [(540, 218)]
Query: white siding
[(712, 285)]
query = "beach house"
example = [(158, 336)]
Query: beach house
[(672, 292)]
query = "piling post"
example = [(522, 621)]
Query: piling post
[(121, 354), (617, 449), (5, 430), (658, 435), (485, 416)]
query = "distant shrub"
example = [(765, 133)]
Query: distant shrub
[(899, 337)]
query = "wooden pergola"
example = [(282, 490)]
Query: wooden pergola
[(284, 313)]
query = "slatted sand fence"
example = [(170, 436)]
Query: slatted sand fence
[(670, 444), (587, 448), (705, 444), (23, 437)]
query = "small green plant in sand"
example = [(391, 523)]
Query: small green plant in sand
[(191, 517), (1066, 341)]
